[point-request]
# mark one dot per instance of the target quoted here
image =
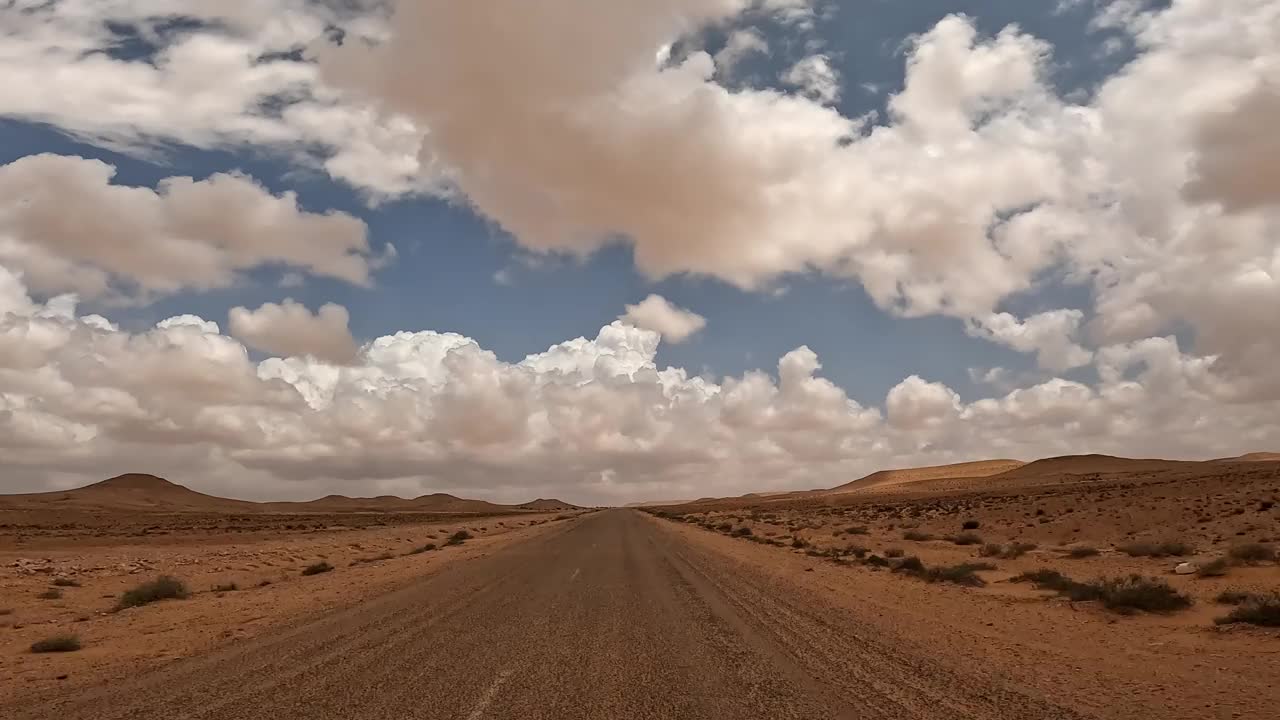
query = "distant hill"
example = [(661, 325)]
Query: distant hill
[(545, 505), (133, 491), (1256, 457), (1090, 464), (904, 476), (136, 492)]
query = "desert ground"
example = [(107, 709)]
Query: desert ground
[(918, 593)]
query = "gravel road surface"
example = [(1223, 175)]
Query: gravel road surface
[(609, 616)]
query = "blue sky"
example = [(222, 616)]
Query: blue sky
[(449, 255), (999, 228)]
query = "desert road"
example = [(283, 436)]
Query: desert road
[(612, 615)]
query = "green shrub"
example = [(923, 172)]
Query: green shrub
[(1252, 553), (741, 532), (798, 542), (50, 594), (966, 539), (916, 536), (876, 561), (1263, 610), (164, 587), (857, 530), (462, 536), (1083, 551), (56, 644), (970, 525), (317, 568), (65, 582)]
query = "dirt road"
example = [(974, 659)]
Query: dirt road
[(613, 615)]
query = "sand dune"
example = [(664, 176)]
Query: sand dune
[(904, 476)]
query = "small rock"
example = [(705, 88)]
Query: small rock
[(1187, 568)]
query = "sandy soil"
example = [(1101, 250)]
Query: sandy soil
[(99, 556), (1181, 662)]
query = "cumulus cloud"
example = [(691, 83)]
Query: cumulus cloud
[(1155, 192), (69, 228), (595, 420), (136, 75), (290, 329), (816, 78), (656, 313), (1051, 335)]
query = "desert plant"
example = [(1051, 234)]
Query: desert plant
[(459, 537), (894, 552), (1234, 597), (1263, 610), (226, 587), (1083, 551), (970, 525), (911, 564), (1156, 549), (164, 587), (65, 582), (56, 644), (966, 539), (1214, 568), (1017, 550), (50, 594), (741, 532), (1136, 592), (875, 561), (857, 530), (857, 551), (962, 574), (1252, 553), (317, 568), (798, 542), (725, 527), (991, 550), (916, 536)]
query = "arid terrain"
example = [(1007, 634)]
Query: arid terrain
[(918, 593)]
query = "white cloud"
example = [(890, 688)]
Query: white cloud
[(656, 313), (816, 78), (289, 329), (1051, 335), (237, 78), (81, 399), (68, 228), (740, 44), (1157, 193)]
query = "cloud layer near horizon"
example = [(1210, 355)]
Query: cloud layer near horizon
[(593, 420), (1156, 193)]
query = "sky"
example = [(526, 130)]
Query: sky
[(610, 252)]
